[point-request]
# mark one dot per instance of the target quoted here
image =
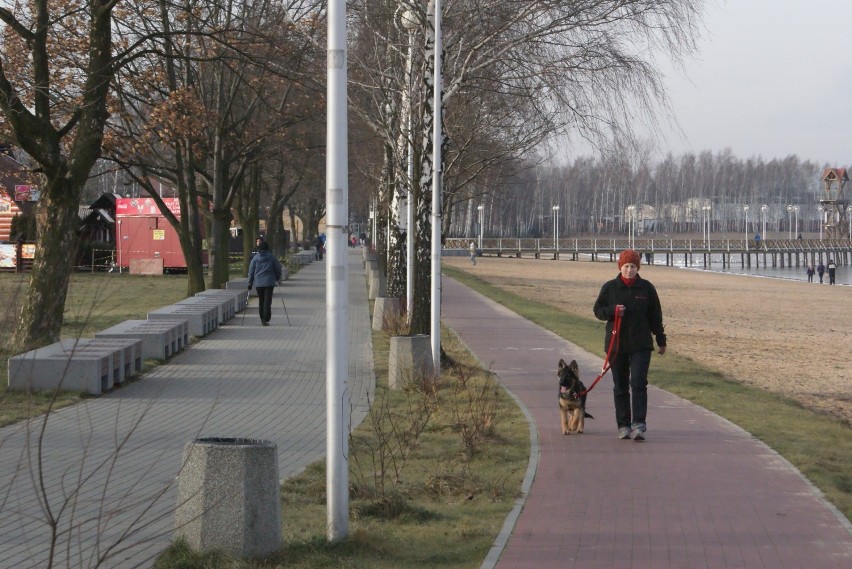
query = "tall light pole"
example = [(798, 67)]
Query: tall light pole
[(706, 209), (790, 220), (556, 228), (337, 288), (796, 217), (481, 209), (763, 209), (630, 223), (437, 174), (745, 210), (409, 22), (821, 209)]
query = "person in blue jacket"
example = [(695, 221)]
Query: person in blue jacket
[(265, 272)]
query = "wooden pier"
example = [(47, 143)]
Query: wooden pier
[(692, 252)]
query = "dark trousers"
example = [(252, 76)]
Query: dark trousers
[(630, 372), (264, 302)]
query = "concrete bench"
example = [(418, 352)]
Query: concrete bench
[(130, 351), (240, 296), (201, 319), (160, 338), (302, 258), (240, 284), (225, 306), (72, 365)]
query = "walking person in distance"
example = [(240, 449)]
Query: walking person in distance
[(832, 271), (265, 272), (635, 301)]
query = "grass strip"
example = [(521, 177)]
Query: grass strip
[(818, 445), (435, 469)]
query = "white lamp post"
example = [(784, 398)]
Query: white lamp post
[(437, 174), (821, 210), (790, 221), (706, 209), (481, 209), (337, 287), (556, 228), (796, 217), (745, 210), (409, 22), (763, 209), (630, 222)]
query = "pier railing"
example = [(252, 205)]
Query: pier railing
[(775, 251)]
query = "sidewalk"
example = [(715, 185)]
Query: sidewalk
[(109, 464), (699, 493)]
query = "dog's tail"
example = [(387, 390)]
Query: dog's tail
[(587, 415)]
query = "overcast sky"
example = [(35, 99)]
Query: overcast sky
[(773, 78)]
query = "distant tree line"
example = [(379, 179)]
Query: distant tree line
[(594, 193)]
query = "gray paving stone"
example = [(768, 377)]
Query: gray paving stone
[(109, 465)]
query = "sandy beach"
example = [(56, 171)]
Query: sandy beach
[(785, 336)]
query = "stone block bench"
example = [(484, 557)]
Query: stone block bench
[(90, 366), (302, 258), (129, 350), (240, 284), (240, 296), (225, 306), (201, 319), (160, 338)]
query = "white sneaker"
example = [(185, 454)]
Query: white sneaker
[(623, 433)]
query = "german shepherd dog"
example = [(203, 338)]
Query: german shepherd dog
[(572, 399)]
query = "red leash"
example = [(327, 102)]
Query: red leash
[(614, 341)]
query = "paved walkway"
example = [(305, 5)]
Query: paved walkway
[(699, 493), (108, 465)]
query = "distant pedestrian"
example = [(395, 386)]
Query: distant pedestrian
[(799, 237), (820, 271), (318, 244), (472, 253), (832, 269), (810, 273), (257, 243), (265, 272)]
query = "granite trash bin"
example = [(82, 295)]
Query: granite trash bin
[(228, 497)]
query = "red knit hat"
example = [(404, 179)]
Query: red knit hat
[(629, 256)]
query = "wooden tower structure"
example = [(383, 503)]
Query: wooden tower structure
[(834, 207)]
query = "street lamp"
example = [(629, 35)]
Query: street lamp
[(821, 209), (745, 210), (437, 194), (706, 209), (790, 220), (763, 209), (409, 22), (796, 217), (555, 228), (481, 209), (630, 210)]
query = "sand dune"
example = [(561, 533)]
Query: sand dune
[(787, 337)]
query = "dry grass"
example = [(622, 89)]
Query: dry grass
[(95, 302)]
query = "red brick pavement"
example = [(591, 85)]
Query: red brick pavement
[(698, 493)]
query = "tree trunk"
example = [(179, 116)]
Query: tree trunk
[(44, 303), (219, 250)]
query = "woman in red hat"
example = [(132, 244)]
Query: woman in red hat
[(636, 301)]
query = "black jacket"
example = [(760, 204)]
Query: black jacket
[(643, 315)]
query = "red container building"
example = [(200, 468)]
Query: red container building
[(143, 233)]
